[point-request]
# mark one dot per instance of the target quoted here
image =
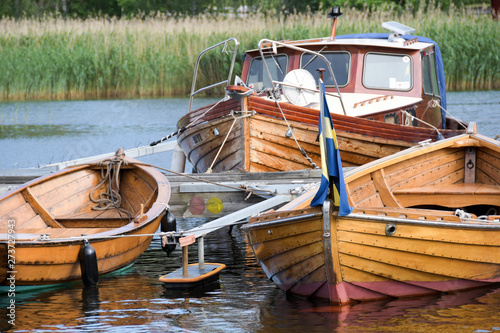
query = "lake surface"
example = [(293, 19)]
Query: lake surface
[(38, 133)]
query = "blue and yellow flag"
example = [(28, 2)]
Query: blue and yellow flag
[(331, 164)]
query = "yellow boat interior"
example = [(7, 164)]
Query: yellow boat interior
[(78, 202), (440, 181), (459, 174)]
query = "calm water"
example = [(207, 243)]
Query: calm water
[(244, 300)]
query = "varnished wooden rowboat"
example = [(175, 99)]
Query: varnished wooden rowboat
[(43, 223), (425, 220), (386, 94)]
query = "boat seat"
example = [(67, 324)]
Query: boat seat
[(112, 218), (452, 195)]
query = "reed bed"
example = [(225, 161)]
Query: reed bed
[(53, 58)]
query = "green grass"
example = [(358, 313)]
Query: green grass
[(52, 58)]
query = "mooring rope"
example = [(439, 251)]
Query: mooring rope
[(433, 103), (412, 117), (183, 128), (110, 172)]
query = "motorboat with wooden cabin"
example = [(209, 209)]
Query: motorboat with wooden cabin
[(386, 93), (425, 220)]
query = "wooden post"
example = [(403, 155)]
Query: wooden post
[(470, 165), (495, 9), (185, 261), (201, 253)]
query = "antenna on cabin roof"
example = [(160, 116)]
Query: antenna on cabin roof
[(334, 14), (397, 30)]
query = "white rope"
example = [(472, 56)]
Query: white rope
[(468, 217), (412, 117), (433, 103), (209, 170)]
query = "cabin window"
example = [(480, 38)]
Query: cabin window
[(258, 76), (341, 62), (388, 71), (429, 74)]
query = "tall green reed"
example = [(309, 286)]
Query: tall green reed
[(52, 58)]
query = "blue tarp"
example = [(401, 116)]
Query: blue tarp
[(439, 60)]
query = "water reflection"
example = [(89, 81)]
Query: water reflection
[(56, 131), (242, 301), (468, 310)]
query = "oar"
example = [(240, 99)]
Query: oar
[(182, 129)]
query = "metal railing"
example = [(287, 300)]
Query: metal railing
[(225, 82)]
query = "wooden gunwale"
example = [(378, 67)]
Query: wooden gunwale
[(346, 123)]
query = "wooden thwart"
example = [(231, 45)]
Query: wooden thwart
[(449, 195)]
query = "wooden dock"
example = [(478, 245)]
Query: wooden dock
[(201, 195)]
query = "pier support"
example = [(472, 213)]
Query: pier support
[(178, 160)]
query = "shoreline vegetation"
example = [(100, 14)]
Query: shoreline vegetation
[(154, 56)]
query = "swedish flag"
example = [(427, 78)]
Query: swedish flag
[(331, 164)]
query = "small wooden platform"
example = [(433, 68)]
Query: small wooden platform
[(196, 277)]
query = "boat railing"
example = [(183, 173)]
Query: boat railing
[(224, 45), (268, 43)]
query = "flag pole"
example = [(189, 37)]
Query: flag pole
[(323, 126), (332, 187)]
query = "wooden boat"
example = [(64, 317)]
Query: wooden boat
[(44, 223), (386, 93), (425, 220)]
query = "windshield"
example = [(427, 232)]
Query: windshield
[(257, 75), (387, 71), (340, 65)]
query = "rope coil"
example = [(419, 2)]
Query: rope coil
[(110, 172)]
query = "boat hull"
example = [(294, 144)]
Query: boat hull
[(424, 221), (418, 259), (255, 139), (38, 264)]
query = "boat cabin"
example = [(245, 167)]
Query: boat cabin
[(372, 74)]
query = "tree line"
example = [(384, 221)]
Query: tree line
[(127, 8)]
